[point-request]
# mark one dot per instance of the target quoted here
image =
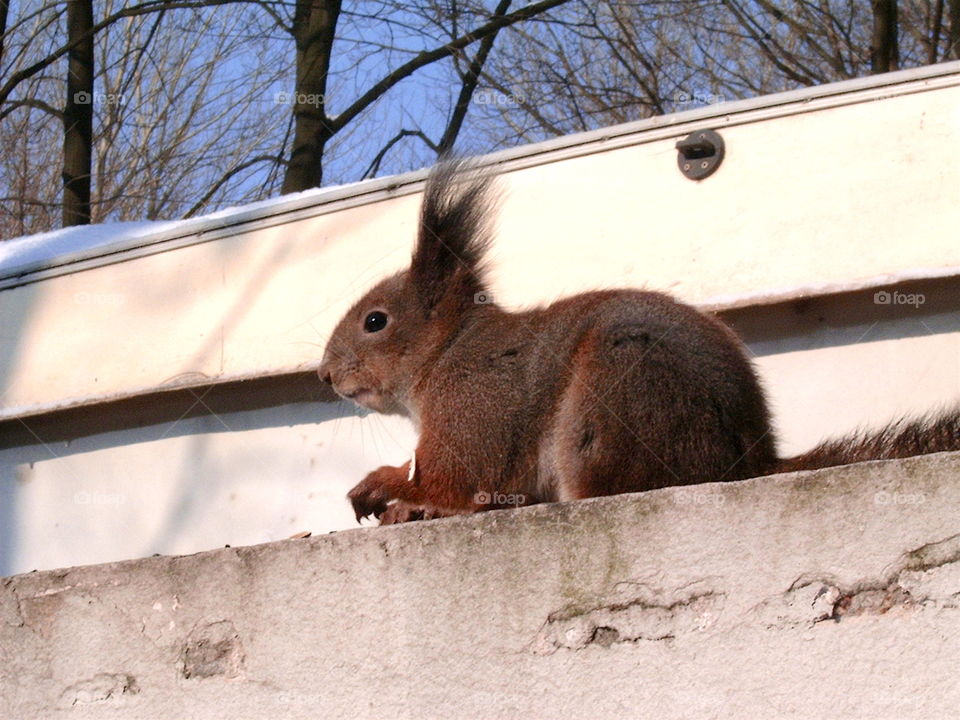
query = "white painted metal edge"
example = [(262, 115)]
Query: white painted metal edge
[(715, 304), (739, 112), (722, 303)]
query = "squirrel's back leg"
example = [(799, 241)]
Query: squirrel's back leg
[(643, 410)]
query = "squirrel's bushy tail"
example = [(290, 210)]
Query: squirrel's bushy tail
[(900, 439)]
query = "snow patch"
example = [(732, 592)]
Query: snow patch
[(42, 248), (27, 253)]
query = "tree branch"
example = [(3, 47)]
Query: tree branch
[(375, 165), (470, 80), (150, 6), (745, 23), (425, 58), (30, 102), (201, 203)]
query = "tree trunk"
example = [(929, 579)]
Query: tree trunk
[(884, 51), (314, 27), (953, 49), (4, 8), (78, 115), (934, 48)]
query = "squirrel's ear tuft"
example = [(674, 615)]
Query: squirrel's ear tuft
[(455, 221)]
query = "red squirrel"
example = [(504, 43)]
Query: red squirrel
[(600, 393)]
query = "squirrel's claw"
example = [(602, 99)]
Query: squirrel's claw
[(369, 498)]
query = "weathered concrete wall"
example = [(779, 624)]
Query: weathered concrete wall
[(830, 594)]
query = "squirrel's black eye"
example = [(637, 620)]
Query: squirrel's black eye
[(375, 322)]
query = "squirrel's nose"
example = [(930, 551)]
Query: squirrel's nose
[(324, 373)]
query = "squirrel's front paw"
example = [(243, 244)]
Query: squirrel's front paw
[(370, 496)]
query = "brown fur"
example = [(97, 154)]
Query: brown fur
[(600, 393), (900, 439)]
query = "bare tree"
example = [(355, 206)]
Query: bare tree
[(315, 125), (592, 64), (31, 128), (314, 28), (884, 48), (179, 129), (588, 65), (469, 78), (953, 37), (171, 129), (194, 108), (468, 84), (176, 127), (4, 10), (78, 114)]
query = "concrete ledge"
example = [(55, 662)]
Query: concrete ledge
[(827, 594)]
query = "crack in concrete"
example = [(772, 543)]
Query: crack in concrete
[(212, 649), (646, 617), (102, 687), (804, 603), (926, 577)]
